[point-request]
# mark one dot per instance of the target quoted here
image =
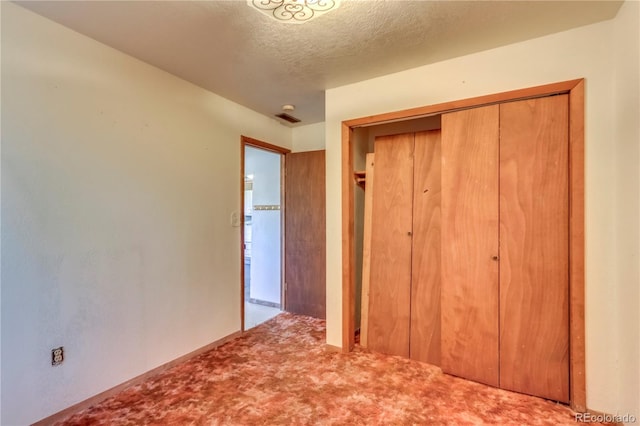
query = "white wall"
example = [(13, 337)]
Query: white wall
[(308, 138), (266, 261), (118, 181), (0, 222), (582, 52), (626, 140)]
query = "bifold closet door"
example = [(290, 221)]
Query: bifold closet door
[(469, 299), (391, 222), (534, 251), (425, 263)]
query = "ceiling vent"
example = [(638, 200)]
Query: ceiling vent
[(284, 115), (287, 117)]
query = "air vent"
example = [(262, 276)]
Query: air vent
[(287, 117)]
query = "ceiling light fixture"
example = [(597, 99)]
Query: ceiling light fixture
[(294, 11)]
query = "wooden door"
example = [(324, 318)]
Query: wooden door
[(390, 268), (305, 273), (469, 295), (425, 263), (534, 253)]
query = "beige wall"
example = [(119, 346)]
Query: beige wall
[(308, 138), (118, 182), (583, 52), (626, 140), (0, 219)]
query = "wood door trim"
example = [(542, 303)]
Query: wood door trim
[(255, 143), (283, 242), (348, 242), (419, 112), (577, 378), (242, 152), (575, 89), (246, 140)]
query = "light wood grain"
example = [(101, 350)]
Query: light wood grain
[(423, 111), (390, 272), (366, 251), (305, 225), (425, 263), (348, 242), (283, 242), (576, 90), (348, 209), (534, 247), (264, 145), (469, 241), (576, 249)]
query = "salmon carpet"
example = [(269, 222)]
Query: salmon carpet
[(281, 373)]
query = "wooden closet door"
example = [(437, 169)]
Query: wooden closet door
[(534, 253), (425, 263), (390, 270), (470, 243)]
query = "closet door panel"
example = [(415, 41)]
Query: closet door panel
[(469, 295), (390, 269), (425, 282), (534, 253)]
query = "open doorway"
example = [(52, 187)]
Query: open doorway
[(262, 297)]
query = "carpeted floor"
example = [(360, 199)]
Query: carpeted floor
[(281, 373)]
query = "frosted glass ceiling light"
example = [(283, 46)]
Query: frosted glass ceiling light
[(294, 11)]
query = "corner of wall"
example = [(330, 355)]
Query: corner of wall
[(308, 138), (119, 180), (626, 65)]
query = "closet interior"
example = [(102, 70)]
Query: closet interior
[(462, 242)]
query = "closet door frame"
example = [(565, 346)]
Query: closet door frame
[(575, 90)]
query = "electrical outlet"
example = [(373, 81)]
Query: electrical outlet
[(57, 355)]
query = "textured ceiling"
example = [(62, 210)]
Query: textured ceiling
[(247, 57)]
